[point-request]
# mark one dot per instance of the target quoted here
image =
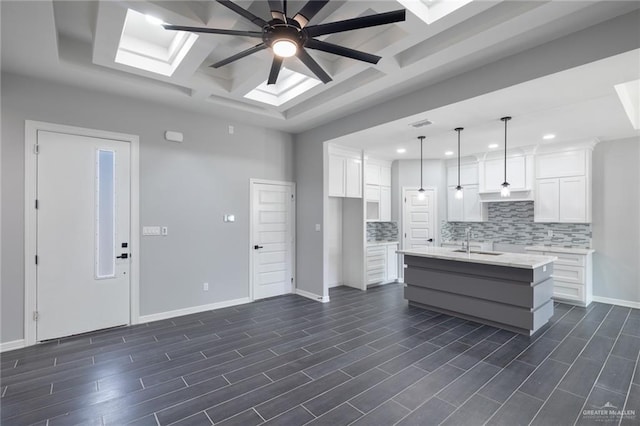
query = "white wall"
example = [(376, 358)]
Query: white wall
[(616, 220), (187, 187), (334, 242)]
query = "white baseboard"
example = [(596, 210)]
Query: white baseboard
[(193, 310), (619, 302), (312, 296), (9, 346)]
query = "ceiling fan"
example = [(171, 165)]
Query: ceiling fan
[(292, 36)]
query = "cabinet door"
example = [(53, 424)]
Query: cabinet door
[(455, 207), (516, 172), (372, 193), (353, 178), (547, 201), (473, 208), (337, 177), (385, 176), (385, 203), (372, 174), (392, 263), (468, 174), (493, 175), (573, 199)]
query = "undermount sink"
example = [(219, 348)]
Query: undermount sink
[(490, 253)]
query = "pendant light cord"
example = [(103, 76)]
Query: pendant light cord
[(421, 140), (459, 129), (505, 119)]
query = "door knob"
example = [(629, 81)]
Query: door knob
[(123, 256), (256, 247), (430, 240)]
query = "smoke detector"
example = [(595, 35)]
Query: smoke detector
[(421, 123)]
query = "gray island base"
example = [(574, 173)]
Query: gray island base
[(515, 298)]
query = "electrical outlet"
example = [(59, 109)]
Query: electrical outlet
[(205, 286), (549, 233)]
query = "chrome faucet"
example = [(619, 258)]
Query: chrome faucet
[(467, 234)]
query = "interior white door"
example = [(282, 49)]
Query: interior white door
[(83, 223), (418, 219), (272, 239)]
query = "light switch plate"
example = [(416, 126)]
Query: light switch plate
[(229, 218), (317, 227), (151, 231)]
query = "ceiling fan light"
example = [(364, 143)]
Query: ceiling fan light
[(284, 48)]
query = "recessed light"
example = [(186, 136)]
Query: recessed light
[(401, 150), (493, 146), (448, 153), (549, 136), (153, 20)]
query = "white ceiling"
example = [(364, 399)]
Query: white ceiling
[(75, 42)]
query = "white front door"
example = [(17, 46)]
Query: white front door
[(272, 219), (83, 229), (418, 219)]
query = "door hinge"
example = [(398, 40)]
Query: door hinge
[(291, 280), (36, 149), (405, 199), (36, 315), (36, 204), (36, 259)]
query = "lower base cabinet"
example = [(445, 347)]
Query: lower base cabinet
[(572, 282), (382, 263)]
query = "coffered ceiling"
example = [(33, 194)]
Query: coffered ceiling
[(112, 46)]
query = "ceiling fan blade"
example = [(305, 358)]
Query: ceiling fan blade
[(212, 31), (277, 11), (308, 11), (243, 12), (275, 69), (342, 51), (254, 49), (313, 65), (356, 23)]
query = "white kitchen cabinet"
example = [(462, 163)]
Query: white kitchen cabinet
[(345, 173), (382, 263), (467, 209), (392, 262), (337, 175), (385, 204), (468, 175), (494, 174), (546, 206), (572, 273), (354, 178), (372, 193), (372, 174), (563, 186), (385, 176)]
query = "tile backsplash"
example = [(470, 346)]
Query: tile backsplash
[(512, 223), (382, 231)]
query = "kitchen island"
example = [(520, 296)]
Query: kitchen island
[(507, 290)]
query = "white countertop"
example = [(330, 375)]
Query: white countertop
[(380, 243), (514, 260), (554, 249)]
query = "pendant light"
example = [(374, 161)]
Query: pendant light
[(421, 194), (459, 193), (505, 192)]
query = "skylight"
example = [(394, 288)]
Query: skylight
[(290, 84), (429, 11), (144, 44)]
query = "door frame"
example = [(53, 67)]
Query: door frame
[(31, 129), (436, 229), (291, 185)]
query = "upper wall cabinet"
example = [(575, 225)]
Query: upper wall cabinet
[(377, 178), (469, 208), (345, 173), (377, 172), (516, 174), (563, 186)]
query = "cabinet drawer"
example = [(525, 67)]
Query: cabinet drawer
[(564, 290), (568, 259), (376, 263), (571, 274), (375, 277), (376, 250)]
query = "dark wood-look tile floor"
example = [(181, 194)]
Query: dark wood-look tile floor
[(365, 358)]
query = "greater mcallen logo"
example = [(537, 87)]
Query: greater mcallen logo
[(607, 411)]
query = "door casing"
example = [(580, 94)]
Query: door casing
[(30, 217), (292, 185)]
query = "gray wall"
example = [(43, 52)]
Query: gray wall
[(616, 219), (187, 187)]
